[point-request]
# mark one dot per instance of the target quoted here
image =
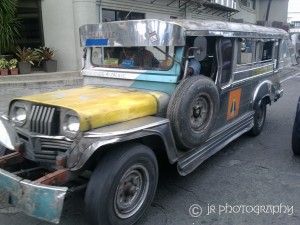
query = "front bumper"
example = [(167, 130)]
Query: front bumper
[(33, 198), (41, 201)]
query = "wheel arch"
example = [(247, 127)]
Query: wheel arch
[(265, 91), (159, 141)]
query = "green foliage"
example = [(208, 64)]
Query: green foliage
[(26, 54), (12, 64), (9, 25), (45, 53), (3, 64)]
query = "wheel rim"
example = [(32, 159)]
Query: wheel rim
[(131, 191), (260, 115), (200, 112)]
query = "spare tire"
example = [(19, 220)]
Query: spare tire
[(193, 110)]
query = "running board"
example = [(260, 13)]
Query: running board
[(190, 160)]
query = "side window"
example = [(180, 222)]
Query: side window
[(245, 52), (264, 51), (226, 54), (267, 51), (259, 51)]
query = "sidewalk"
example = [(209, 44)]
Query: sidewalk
[(41, 78)]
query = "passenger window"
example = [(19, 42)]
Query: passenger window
[(245, 52), (226, 53), (264, 51)]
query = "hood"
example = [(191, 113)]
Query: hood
[(99, 106)]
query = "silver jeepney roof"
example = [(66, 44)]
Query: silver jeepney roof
[(152, 32)]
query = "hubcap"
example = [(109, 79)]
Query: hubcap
[(200, 113), (131, 191)]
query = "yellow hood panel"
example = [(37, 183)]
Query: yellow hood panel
[(100, 106)]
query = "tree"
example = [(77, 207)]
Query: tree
[(9, 25)]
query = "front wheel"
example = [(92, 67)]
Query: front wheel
[(259, 118), (122, 186)]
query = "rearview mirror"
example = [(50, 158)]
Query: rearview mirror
[(200, 48)]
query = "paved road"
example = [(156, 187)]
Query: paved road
[(245, 183)]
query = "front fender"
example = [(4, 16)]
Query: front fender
[(117, 133)]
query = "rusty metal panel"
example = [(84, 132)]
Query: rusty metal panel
[(37, 200)]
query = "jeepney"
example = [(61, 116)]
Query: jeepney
[(138, 104)]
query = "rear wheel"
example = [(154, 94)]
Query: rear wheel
[(122, 186), (259, 118)]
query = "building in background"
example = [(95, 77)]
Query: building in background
[(55, 23), (294, 13)]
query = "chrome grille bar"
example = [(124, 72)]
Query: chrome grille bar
[(41, 119)]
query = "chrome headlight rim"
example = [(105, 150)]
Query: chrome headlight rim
[(67, 118), (18, 106)]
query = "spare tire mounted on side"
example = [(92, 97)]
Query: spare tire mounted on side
[(193, 110)]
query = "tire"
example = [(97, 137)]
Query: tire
[(122, 186), (193, 110), (295, 142), (259, 118)]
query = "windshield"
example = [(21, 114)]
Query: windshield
[(147, 58)]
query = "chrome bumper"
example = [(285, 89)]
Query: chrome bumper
[(8, 137)]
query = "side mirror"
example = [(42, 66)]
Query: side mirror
[(200, 48)]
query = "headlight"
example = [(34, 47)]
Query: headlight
[(18, 113), (71, 124)]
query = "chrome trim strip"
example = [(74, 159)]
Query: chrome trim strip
[(126, 127), (251, 78)]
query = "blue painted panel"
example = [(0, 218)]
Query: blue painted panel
[(96, 42), (42, 201)]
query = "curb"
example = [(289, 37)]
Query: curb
[(39, 79)]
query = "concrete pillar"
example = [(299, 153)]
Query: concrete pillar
[(58, 25), (61, 22), (85, 12)]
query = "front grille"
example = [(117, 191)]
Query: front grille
[(44, 120), (50, 148), (40, 149)]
